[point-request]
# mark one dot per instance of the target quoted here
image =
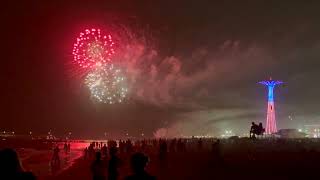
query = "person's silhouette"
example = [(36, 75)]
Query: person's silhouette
[(55, 161), (200, 144), (10, 167), (261, 129), (114, 163), (253, 130), (104, 151), (138, 164), (98, 168)]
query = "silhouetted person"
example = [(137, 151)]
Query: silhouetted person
[(179, 145), (65, 147), (55, 157), (138, 163), (143, 145), (121, 146), (10, 167), (261, 129), (200, 144), (91, 150), (104, 151), (114, 163), (253, 130), (55, 161), (163, 155), (85, 153), (98, 168), (163, 149), (69, 147), (129, 147), (184, 146), (172, 147)]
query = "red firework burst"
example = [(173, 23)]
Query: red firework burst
[(93, 48)]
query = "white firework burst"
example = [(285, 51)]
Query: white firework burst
[(107, 84)]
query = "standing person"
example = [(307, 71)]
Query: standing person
[(10, 167), (200, 145), (85, 153), (121, 146), (69, 147), (55, 161), (129, 148), (98, 168), (104, 151), (163, 153), (163, 150), (114, 163), (91, 150), (55, 156), (172, 146), (253, 130), (261, 129), (65, 147), (138, 163)]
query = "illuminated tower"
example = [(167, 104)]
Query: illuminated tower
[(271, 124)]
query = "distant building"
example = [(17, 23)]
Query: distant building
[(312, 130), (290, 133)]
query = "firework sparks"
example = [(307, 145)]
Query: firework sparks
[(107, 84), (93, 49)]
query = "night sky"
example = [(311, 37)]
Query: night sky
[(193, 65)]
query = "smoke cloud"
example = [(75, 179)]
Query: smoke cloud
[(191, 84)]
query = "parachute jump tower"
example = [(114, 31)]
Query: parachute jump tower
[(271, 124)]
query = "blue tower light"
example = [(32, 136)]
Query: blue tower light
[(270, 84)]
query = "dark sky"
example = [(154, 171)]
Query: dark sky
[(193, 65)]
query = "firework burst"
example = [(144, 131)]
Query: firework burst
[(107, 84), (93, 48)]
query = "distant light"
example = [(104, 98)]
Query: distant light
[(300, 130)]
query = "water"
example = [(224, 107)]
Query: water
[(38, 161)]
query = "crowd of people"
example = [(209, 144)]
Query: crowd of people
[(107, 159)]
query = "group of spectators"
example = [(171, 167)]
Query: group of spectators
[(106, 161)]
